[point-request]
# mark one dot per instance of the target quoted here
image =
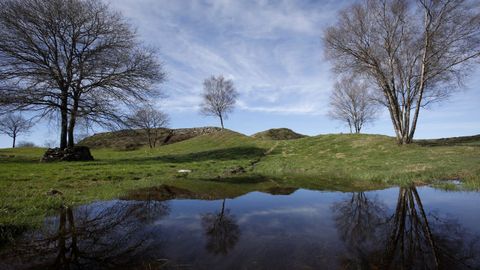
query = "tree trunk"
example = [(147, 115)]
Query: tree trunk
[(14, 139), (149, 137), (71, 125), (64, 119), (401, 127), (221, 120), (223, 209), (73, 232)]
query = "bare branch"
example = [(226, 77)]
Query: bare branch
[(352, 103), (76, 57), (415, 52)]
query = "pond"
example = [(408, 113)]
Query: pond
[(395, 228)]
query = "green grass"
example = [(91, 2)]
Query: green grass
[(333, 162)]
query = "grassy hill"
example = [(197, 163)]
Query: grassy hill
[(134, 139), (278, 134), (228, 164)]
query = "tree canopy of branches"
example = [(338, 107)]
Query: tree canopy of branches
[(219, 97), (352, 103), (150, 121), (74, 58), (13, 125), (415, 52)]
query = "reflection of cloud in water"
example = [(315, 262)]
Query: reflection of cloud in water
[(307, 211), (188, 222)]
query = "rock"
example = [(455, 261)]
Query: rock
[(184, 171), (54, 192), (236, 170), (76, 153)]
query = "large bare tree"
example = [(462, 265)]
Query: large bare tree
[(75, 58), (150, 120), (219, 97), (415, 52), (13, 125), (352, 103)]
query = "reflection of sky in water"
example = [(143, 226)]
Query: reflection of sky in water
[(275, 231), (294, 227)]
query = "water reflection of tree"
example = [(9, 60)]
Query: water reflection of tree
[(408, 239), (418, 240), (359, 221), (221, 230), (91, 236)]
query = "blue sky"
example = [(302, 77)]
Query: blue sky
[(272, 50)]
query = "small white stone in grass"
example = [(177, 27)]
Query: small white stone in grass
[(184, 171)]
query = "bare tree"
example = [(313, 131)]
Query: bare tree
[(77, 58), (219, 97), (13, 125), (352, 103), (150, 121), (416, 52)]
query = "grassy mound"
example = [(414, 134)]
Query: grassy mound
[(134, 139), (278, 134)]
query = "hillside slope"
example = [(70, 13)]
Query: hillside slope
[(133, 139), (352, 157), (278, 134)]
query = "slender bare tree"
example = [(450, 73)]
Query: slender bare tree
[(352, 103), (77, 58), (415, 52), (13, 125), (219, 97), (150, 121)]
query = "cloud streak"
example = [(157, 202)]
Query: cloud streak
[(272, 51)]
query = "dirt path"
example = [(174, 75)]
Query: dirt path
[(256, 161)]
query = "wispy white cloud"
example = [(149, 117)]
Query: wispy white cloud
[(272, 51)]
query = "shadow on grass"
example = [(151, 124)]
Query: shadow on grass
[(218, 154)]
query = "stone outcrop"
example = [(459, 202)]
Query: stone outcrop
[(76, 153), (182, 134)]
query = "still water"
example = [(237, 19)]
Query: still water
[(396, 228)]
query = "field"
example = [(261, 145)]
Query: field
[(229, 164)]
